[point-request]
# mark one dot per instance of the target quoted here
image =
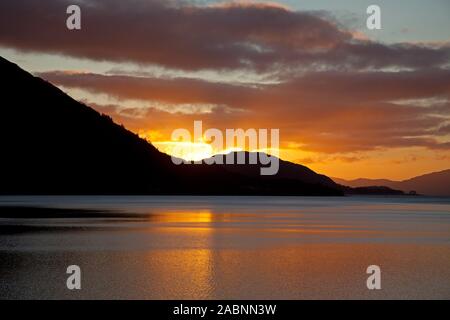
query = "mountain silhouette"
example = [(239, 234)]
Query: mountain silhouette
[(53, 144), (431, 184)]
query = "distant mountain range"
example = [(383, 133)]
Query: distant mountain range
[(432, 184)]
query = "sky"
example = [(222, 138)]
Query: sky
[(349, 102)]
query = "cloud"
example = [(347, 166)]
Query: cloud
[(182, 35), (341, 88), (333, 91), (323, 159), (326, 111)]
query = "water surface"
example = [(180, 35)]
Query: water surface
[(150, 247)]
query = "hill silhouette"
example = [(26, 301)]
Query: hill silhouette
[(53, 144)]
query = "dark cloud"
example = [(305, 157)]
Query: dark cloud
[(181, 35), (336, 88), (355, 102)]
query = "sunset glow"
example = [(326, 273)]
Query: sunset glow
[(349, 102)]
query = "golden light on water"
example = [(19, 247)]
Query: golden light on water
[(183, 216)]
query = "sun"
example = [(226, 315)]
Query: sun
[(191, 151)]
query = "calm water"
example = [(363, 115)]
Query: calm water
[(224, 247)]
